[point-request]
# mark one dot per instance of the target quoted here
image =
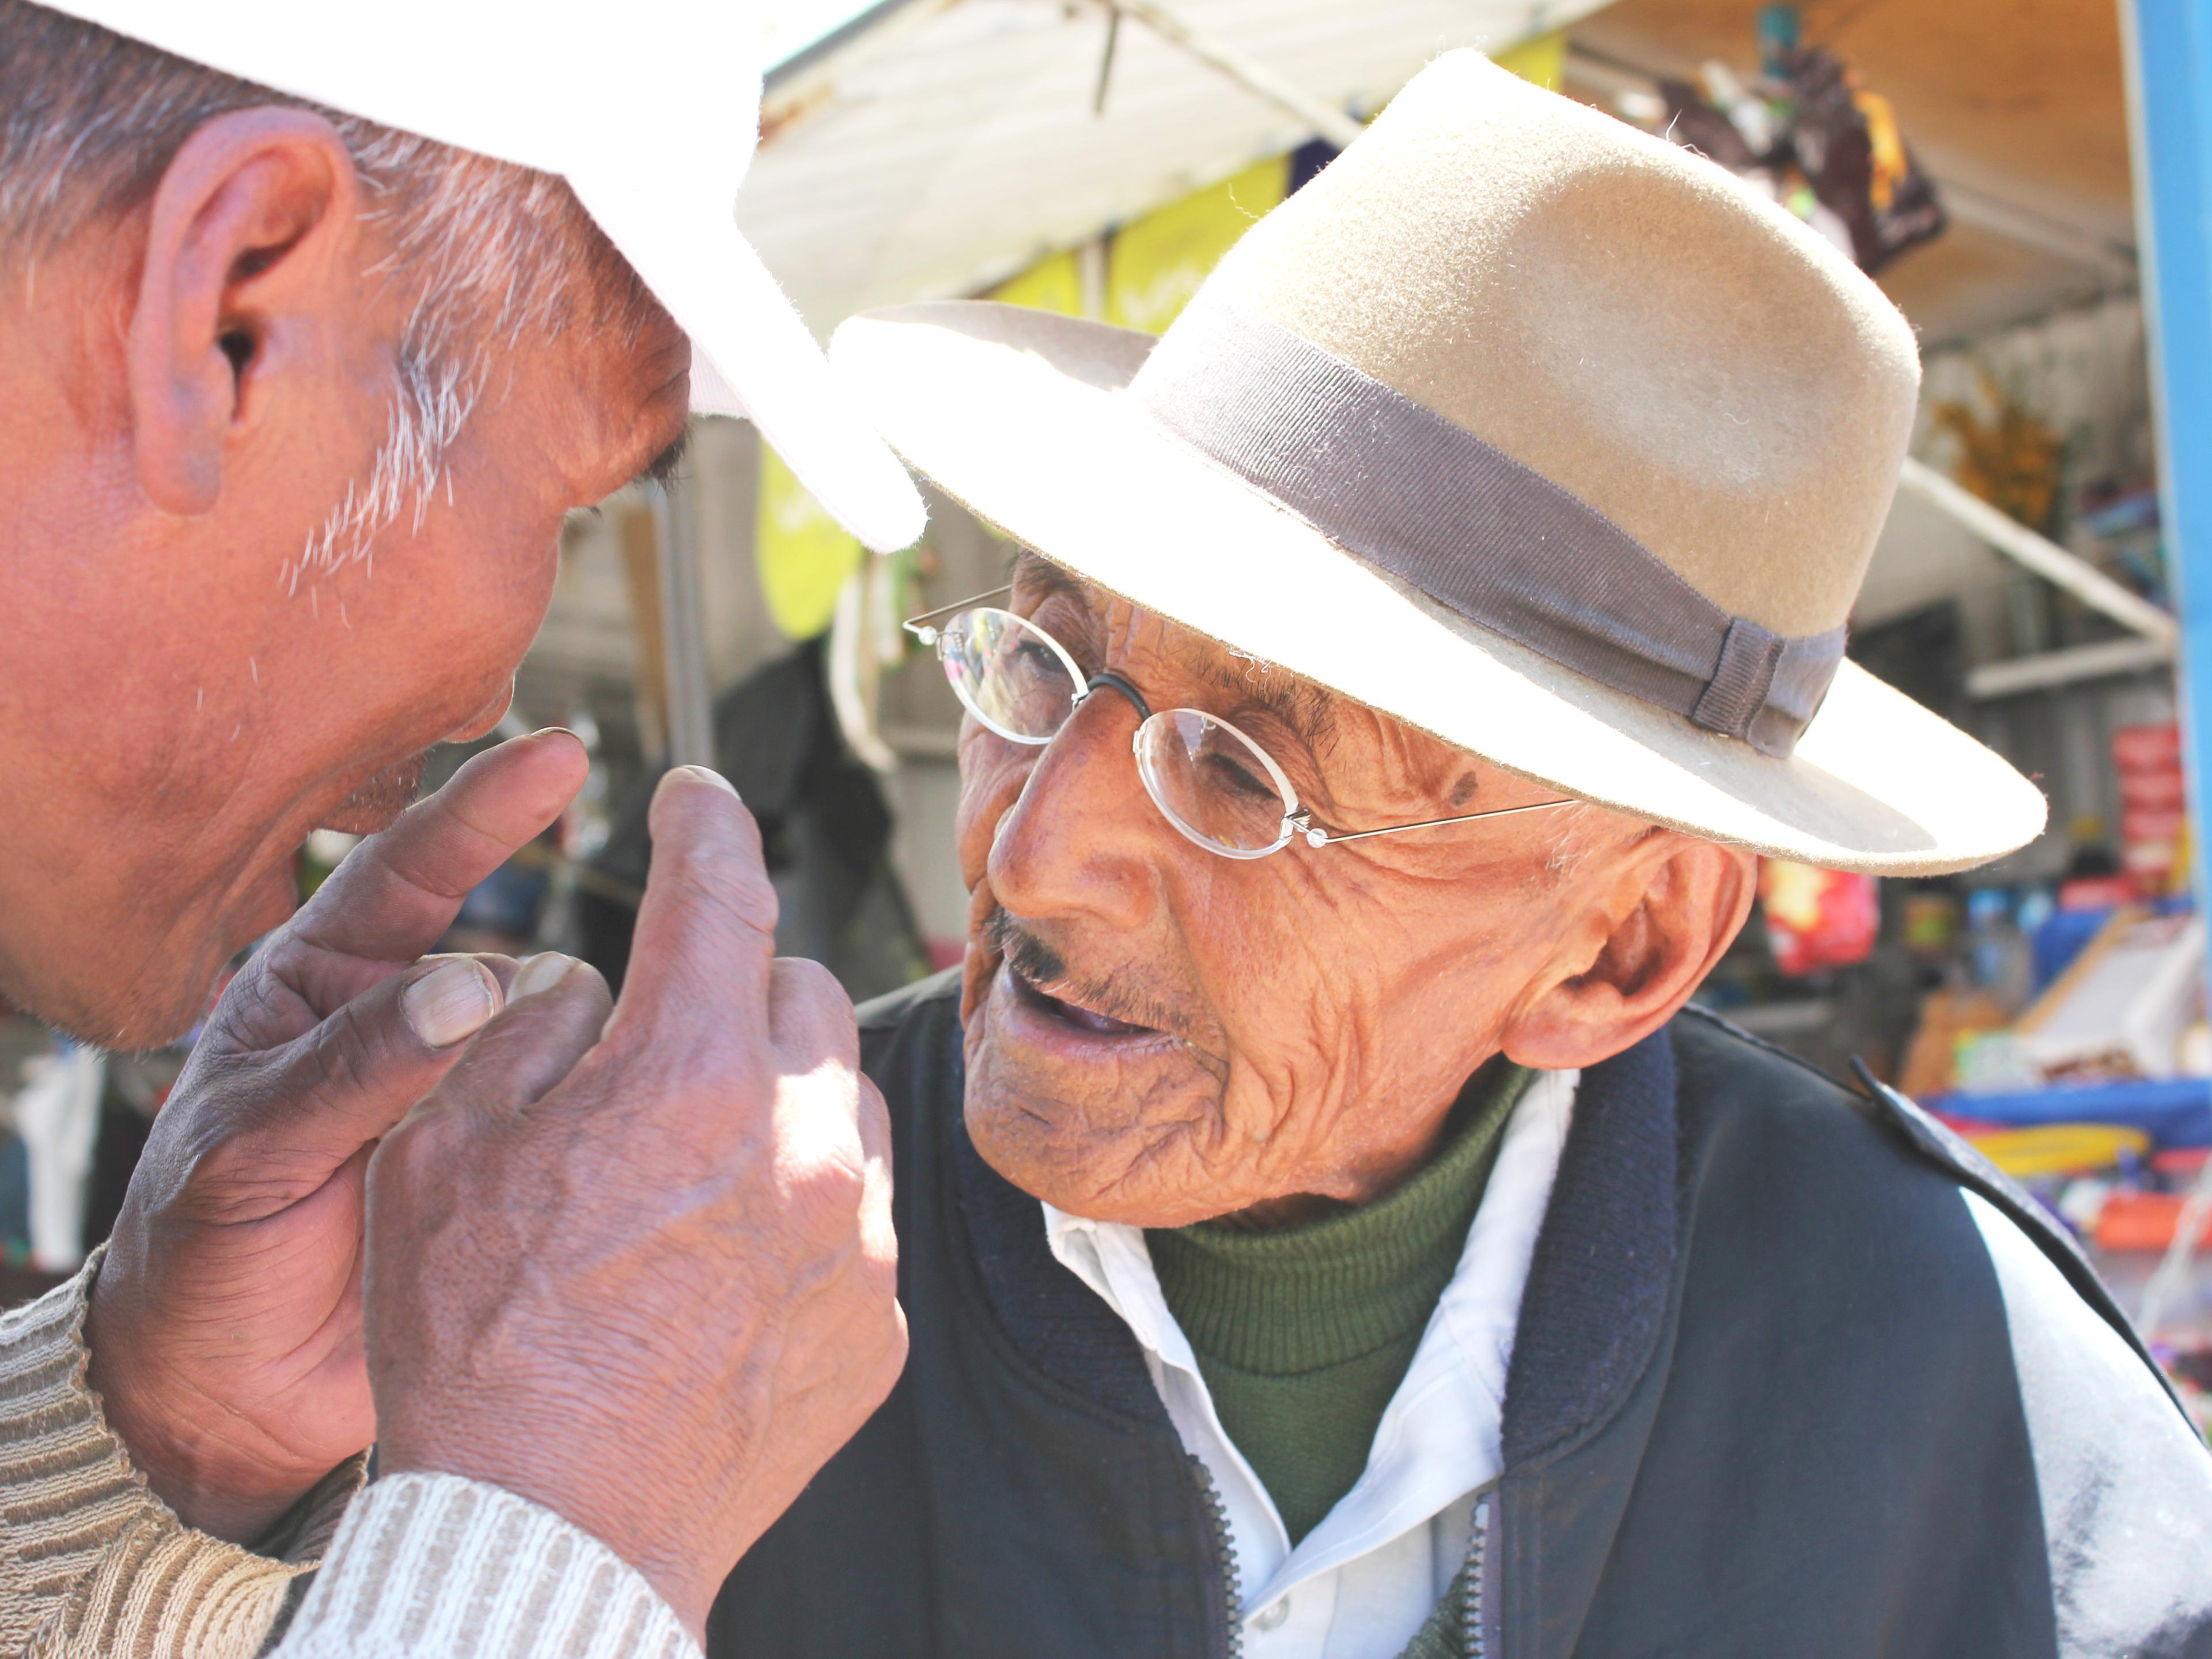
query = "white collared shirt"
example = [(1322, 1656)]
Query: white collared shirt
[(1362, 1582)]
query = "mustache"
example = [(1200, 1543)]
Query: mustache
[(1042, 966)]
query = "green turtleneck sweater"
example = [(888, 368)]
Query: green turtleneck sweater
[(1302, 1333)]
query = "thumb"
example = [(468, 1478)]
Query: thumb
[(321, 1098)]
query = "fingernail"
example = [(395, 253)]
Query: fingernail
[(541, 973), (558, 730), (707, 774), (455, 1002)]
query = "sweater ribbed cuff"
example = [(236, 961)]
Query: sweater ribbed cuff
[(91, 1561), (429, 1566)]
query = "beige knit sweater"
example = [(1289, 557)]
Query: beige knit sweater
[(427, 1566)]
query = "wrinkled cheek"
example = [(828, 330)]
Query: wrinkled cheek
[(1259, 1119), (1288, 1082), (992, 774), (979, 964), (1015, 1143)]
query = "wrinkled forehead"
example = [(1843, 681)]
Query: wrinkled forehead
[(1312, 710)]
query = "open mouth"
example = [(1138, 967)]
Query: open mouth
[(1071, 1013)]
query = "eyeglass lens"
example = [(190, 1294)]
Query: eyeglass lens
[(1208, 778), (1014, 677), (1214, 783)]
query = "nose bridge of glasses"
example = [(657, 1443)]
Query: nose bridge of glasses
[(1114, 682)]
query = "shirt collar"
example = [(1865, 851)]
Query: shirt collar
[(1439, 1438)]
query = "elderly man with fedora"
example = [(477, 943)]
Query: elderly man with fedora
[(314, 323), (1327, 1232)]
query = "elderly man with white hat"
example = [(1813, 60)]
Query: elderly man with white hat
[(1326, 1230), (314, 323)]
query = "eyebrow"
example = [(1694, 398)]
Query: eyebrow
[(1303, 707), (1308, 710), (662, 467), (1033, 570)]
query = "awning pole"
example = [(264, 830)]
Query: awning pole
[(2054, 563), (2166, 54), (684, 634)]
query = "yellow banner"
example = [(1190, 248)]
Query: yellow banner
[(1543, 60), (1052, 284), (804, 554), (1157, 263)]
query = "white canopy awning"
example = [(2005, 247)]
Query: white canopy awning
[(934, 146)]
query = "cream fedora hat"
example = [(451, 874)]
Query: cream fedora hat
[(1520, 425), (649, 110)]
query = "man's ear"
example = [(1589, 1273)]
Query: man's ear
[(250, 246), (1658, 923)]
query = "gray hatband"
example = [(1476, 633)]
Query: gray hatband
[(1471, 527)]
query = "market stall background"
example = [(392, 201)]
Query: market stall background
[(1097, 159)]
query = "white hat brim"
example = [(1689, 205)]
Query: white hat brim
[(1020, 416), (754, 358)]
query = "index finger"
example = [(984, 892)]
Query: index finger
[(706, 930), (399, 892)]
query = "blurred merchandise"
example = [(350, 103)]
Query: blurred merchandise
[(1993, 1062), (56, 1112), (2143, 1221), (2153, 808), (1816, 918), (1806, 133), (2005, 454), (503, 912), (2060, 1148), (2000, 958), (2095, 896), (1930, 924), (319, 856), (1948, 1019), (2130, 540)]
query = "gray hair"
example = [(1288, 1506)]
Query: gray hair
[(489, 253)]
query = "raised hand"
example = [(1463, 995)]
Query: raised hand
[(225, 1328), (639, 1269)]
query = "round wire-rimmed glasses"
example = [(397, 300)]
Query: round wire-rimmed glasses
[(1211, 781)]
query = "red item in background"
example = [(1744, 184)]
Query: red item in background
[(2096, 893), (2139, 824), (2142, 1221), (2147, 748), (1816, 918), (1968, 1126), (2160, 791), (2153, 827)]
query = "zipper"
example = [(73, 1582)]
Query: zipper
[(1225, 1557), (1476, 1645)]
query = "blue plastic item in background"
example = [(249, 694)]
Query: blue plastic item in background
[(2062, 939), (2066, 933), (2172, 1111)]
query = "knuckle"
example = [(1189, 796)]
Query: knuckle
[(879, 1278), (833, 1189), (218, 1161), (807, 984), (717, 877), (343, 1054), (424, 1143), (874, 1111)]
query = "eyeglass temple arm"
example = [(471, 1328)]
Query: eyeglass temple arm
[(920, 628), (1323, 837)]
